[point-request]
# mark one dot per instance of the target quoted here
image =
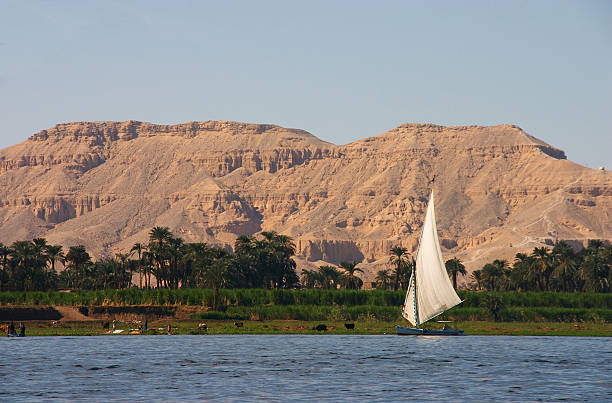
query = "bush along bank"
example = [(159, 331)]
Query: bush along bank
[(260, 296), (317, 304), (392, 314)]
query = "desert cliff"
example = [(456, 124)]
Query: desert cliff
[(499, 190)]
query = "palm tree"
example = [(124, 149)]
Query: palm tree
[(329, 276), (5, 251), (493, 274), (214, 277), (606, 256), (160, 235), (103, 273), (249, 259), (269, 235), (148, 259), (594, 245), (125, 264), (278, 250), (504, 282), (267, 262), (398, 259), (407, 272), (383, 279), (159, 240), (594, 273), (24, 258), (454, 267), (4, 276), (78, 260), (244, 243), (520, 274), (198, 257), (138, 248), (349, 279), (54, 253), (311, 278), (325, 277), (477, 279), (541, 268), (564, 267), (176, 251), (40, 243)]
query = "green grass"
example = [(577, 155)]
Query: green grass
[(375, 327)]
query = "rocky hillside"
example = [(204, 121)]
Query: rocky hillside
[(499, 191)]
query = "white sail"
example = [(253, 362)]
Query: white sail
[(408, 310), (434, 290)]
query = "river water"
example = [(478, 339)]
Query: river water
[(305, 368)]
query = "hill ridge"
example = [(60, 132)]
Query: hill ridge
[(105, 184)]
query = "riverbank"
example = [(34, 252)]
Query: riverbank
[(263, 311), (373, 327)]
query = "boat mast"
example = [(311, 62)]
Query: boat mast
[(416, 311)]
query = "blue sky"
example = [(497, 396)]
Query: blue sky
[(342, 70)]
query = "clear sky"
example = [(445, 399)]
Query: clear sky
[(342, 70)]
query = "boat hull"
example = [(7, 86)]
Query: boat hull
[(412, 331)]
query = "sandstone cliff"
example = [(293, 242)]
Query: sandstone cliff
[(499, 191)]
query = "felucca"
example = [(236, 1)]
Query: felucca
[(430, 292)]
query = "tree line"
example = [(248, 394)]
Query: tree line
[(166, 261), (559, 269), (556, 269)]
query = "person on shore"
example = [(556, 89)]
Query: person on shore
[(21, 330), (169, 328), (10, 330), (146, 325)]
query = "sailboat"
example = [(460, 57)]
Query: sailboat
[(430, 292)]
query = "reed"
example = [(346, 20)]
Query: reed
[(234, 298), (541, 299), (531, 314), (392, 314)]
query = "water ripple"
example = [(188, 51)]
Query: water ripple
[(306, 368)]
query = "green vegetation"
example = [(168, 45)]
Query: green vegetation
[(318, 304), (258, 284), (164, 262), (261, 296), (306, 312), (559, 269), (307, 327), (402, 268), (167, 262), (204, 297), (535, 299)]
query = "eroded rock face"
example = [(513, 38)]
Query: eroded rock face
[(499, 191)]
